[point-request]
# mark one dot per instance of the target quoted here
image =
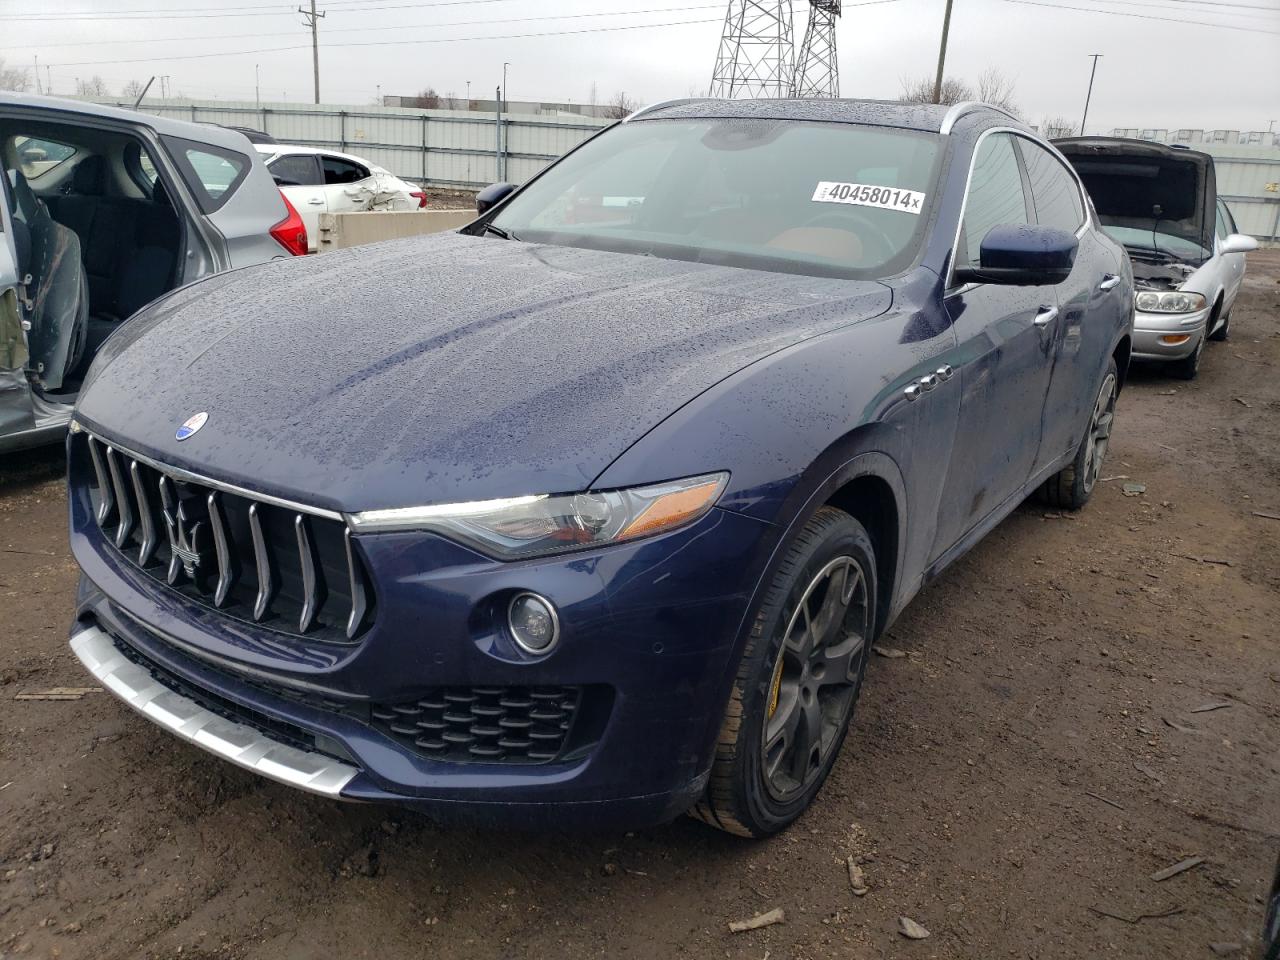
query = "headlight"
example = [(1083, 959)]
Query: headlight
[(536, 525), (1174, 301)]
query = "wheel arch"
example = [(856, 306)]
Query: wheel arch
[(1121, 353), (870, 499)]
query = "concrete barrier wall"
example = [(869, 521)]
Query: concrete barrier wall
[(341, 230)]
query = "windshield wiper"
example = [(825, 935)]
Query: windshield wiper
[(499, 232)]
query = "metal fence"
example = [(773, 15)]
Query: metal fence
[(1249, 181), (440, 148)]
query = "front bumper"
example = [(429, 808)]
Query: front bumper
[(653, 626), (1149, 328)]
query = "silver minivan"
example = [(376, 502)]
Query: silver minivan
[(103, 210)]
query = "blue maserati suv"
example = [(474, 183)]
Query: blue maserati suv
[(591, 511)]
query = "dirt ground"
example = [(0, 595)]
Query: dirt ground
[(1013, 783)]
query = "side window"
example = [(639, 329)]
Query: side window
[(337, 170), (1225, 222), (1053, 190), (211, 173), (37, 156), (995, 195), (295, 170)]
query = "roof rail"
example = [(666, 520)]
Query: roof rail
[(658, 106), (967, 106)]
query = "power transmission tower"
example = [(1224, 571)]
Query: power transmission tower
[(817, 71), (312, 20), (756, 52)]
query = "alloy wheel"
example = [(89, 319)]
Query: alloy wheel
[(815, 677), (1104, 410)]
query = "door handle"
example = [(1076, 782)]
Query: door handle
[(316, 202), (1046, 316), (1109, 282)]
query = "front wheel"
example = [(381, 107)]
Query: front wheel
[(1188, 368), (1071, 487), (798, 680)]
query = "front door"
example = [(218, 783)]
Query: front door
[(15, 398), (1090, 306), (1005, 341)]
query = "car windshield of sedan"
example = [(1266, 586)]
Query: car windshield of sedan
[(829, 199)]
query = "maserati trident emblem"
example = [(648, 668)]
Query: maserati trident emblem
[(184, 541), (191, 425)]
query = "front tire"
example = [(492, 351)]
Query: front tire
[(1188, 368), (1224, 331), (798, 680), (1072, 486)]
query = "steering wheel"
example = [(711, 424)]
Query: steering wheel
[(873, 231)]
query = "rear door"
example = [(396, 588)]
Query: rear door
[(1005, 337), (348, 186), (301, 180)]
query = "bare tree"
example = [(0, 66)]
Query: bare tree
[(621, 106), (920, 90), (996, 89), (14, 78), (133, 89), (1057, 127), (450, 101), (595, 94), (95, 86), (427, 99)]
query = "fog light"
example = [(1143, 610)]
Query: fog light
[(1175, 339), (534, 623)]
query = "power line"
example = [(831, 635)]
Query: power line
[(145, 15), (1164, 5), (406, 26), (391, 43), (1145, 16)]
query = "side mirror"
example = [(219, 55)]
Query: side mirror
[(1237, 243), (1022, 256), (492, 195)]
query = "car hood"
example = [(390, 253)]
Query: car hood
[(1146, 188), (442, 368)]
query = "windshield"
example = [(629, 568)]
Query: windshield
[(1140, 240), (821, 198)]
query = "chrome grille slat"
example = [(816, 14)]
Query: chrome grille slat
[(260, 559), (105, 491), (145, 514), (312, 585), (167, 500), (123, 509), (359, 603), (228, 568)]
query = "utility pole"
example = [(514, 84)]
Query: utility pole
[(257, 87), (505, 106), (1089, 96), (942, 54), (312, 20), (38, 88)]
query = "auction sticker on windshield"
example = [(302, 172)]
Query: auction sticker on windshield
[(865, 195)]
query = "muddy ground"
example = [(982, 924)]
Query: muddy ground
[(1012, 784)]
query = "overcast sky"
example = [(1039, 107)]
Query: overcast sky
[(1222, 72)]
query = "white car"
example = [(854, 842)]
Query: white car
[(324, 181), (1188, 259)]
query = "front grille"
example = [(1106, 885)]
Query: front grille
[(253, 559), (497, 724)]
